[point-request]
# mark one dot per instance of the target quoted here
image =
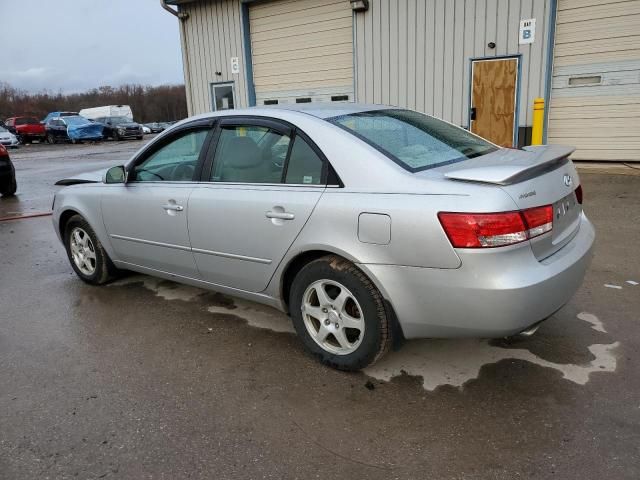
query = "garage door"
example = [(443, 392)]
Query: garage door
[(302, 51), (595, 97)]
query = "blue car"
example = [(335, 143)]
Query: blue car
[(72, 128)]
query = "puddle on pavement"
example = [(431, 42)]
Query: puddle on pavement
[(439, 362)]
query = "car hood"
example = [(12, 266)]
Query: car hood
[(95, 176), (126, 125)]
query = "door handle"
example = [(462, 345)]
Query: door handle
[(174, 207), (280, 215)]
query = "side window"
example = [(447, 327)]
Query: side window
[(305, 167), (175, 161), (250, 154)]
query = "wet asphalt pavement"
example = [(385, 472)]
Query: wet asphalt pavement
[(148, 379)]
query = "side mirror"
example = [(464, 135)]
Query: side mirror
[(116, 175)]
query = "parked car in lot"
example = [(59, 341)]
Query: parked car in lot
[(73, 129), (26, 128), (8, 185), (120, 128), (366, 223), (8, 139), (146, 130), (156, 127), (57, 115)]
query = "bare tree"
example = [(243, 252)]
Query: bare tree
[(149, 104)]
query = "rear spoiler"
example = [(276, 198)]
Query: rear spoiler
[(506, 171)]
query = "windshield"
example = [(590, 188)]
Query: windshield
[(118, 120), (27, 121), (413, 140), (76, 120)]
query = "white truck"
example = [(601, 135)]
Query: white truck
[(107, 111)]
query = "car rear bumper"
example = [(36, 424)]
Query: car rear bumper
[(491, 295)]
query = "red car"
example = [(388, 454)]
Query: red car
[(26, 128)]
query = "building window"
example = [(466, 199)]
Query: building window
[(303, 100), (223, 96), (271, 102)]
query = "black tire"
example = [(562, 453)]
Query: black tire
[(11, 189), (51, 139), (377, 337), (139, 138), (115, 136), (105, 270)]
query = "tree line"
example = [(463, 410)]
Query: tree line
[(149, 104)]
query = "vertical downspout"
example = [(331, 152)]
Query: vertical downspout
[(182, 16)]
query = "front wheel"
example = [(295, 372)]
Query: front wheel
[(339, 314), (86, 254), (10, 190)]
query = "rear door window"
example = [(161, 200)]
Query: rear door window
[(250, 154), (305, 166)]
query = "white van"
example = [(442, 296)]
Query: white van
[(108, 111)]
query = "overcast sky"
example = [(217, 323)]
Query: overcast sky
[(73, 45)]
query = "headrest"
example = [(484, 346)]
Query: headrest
[(242, 152)]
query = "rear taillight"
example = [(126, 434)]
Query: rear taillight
[(579, 194), (482, 230)]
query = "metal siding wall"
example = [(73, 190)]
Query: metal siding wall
[(424, 60), (213, 34)]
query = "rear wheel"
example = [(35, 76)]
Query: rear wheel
[(86, 254), (115, 136), (339, 314)]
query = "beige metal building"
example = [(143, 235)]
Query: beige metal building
[(476, 63)]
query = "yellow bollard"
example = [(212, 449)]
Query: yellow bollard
[(538, 121)]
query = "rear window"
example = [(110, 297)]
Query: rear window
[(413, 140)]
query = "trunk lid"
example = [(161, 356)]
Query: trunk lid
[(535, 176)]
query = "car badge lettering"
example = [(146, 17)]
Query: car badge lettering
[(527, 194)]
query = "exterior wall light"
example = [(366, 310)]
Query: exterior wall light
[(359, 5)]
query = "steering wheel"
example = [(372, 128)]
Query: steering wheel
[(183, 172)]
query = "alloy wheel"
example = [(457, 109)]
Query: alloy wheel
[(333, 317), (82, 251)]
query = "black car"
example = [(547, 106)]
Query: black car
[(156, 127), (120, 128), (8, 185)]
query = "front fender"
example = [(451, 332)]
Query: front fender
[(84, 199)]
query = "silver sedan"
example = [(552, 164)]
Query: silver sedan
[(367, 224)]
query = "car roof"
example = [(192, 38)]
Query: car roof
[(328, 110)]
